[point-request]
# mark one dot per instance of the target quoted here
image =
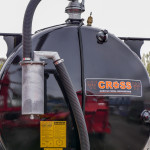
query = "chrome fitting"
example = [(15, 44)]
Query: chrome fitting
[(46, 55), (58, 62)]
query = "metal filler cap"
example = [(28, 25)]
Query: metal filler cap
[(74, 9)]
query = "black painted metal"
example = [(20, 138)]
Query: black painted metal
[(112, 59), (135, 45), (12, 41), (82, 67), (10, 34)]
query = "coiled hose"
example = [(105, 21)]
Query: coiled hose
[(75, 106), (64, 76)]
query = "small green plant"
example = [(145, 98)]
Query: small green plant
[(2, 60), (146, 61), (1, 66)]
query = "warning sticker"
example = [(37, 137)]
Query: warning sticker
[(53, 134), (53, 149), (113, 87)]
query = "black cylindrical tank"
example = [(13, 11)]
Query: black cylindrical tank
[(113, 122)]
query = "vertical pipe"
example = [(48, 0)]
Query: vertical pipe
[(27, 29)]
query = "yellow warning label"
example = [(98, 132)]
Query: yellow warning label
[(53, 134), (53, 149)]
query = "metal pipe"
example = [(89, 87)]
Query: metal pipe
[(32, 87), (71, 94), (83, 2), (46, 54), (27, 27)]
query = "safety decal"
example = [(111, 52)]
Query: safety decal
[(113, 87), (53, 134)]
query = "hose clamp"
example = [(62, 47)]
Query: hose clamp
[(59, 61)]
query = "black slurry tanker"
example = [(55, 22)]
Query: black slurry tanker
[(73, 87)]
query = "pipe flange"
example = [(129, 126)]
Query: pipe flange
[(32, 63)]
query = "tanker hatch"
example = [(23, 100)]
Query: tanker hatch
[(74, 9)]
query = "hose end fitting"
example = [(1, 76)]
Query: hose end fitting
[(57, 62)]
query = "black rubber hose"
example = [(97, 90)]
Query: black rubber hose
[(75, 106), (27, 29)]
